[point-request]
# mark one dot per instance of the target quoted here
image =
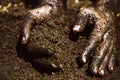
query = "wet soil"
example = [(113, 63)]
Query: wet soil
[(53, 36)]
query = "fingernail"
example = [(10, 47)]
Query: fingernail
[(84, 60), (76, 28), (56, 66), (95, 70), (101, 72), (24, 41), (61, 66), (53, 65), (111, 68)]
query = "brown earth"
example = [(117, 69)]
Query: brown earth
[(53, 35)]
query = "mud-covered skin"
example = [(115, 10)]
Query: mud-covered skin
[(101, 40), (48, 10)]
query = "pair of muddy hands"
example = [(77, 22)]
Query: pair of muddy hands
[(101, 40)]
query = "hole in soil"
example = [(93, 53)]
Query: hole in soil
[(40, 58), (31, 3)]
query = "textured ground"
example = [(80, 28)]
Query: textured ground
[(53, 35)]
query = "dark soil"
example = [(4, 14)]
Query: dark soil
[(53, 36)]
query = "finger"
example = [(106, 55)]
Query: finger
[(111, 63), (80, 23), (26, 29), (103, 64), (96, 37), (112, 59), (87, 52), (100, 52)]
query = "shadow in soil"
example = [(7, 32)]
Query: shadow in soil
[(40, 58)]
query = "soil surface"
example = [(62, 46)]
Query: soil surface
[(52, 37)]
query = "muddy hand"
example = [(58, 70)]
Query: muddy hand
[(48, 10), (101, 39)]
